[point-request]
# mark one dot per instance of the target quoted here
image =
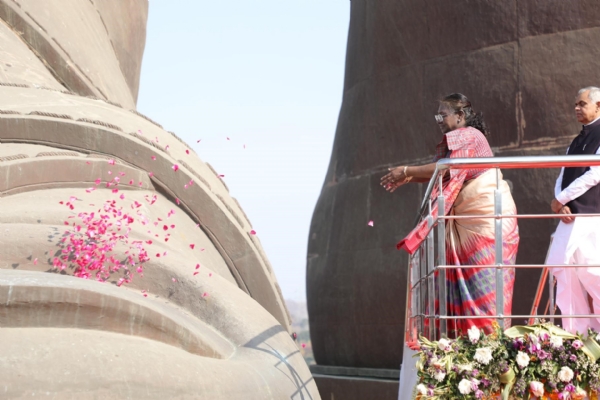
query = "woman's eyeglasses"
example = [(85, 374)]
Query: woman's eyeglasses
[(439, 118)]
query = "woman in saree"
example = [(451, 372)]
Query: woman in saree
[(470, 291)]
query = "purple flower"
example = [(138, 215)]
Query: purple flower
[(542, 355), (485, 382), (478, 394), (573, 357), (570, 388)]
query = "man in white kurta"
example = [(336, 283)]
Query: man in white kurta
[(577, 240)]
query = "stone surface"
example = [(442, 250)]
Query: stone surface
[(521, 63), (207, 318)]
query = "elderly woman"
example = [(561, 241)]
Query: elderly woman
[(471, 291)]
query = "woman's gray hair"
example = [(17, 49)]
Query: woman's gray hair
[(594, 93)]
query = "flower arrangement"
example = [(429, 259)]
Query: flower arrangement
[(540, 361)]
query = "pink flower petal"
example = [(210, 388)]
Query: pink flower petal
[(253, 232), (370, 223), (167, 148), (111, 161), (196, 273), (175, 167), (177, 201), (153, 158), (35, 261), (174, 280), (192, 246), (221, 176), (197, 266), (205, 294), (187, 151)]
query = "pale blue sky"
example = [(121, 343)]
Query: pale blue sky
[(268, 74)]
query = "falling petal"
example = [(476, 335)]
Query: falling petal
[(221, 176), (244, 146), (198, 141), (370, 223), (303, 345), (228, 139), (253, 232)]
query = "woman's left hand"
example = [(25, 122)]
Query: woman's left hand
[(395, 176)]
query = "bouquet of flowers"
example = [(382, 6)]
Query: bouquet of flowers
[(523, 362)]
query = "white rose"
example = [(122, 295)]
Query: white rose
[(439, 376), (444, 344), (556, 341), (422, 389), (483, 355), (565, 374), (474, 334), (465, 387), (537, 388), (522, 359)]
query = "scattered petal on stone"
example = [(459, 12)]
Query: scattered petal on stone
[(122, 196), (177, 201), (196, 273), (175, 167), (35, 262), (253, 232), (153, 158), (370, 223), (197, 266), (167, 148), (165, 227), (174, 280), (187, 151), (111, 161), (210, 274), (150, 174), (205, 294), (90, 190), (192, 246)]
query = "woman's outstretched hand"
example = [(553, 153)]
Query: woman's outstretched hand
[(393, 179)]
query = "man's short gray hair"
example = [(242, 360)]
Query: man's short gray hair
[(594, 93)]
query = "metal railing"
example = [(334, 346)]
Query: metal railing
[(423, 267)]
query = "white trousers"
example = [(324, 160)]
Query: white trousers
[(577, 243)]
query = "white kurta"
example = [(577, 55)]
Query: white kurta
[(577, 243)]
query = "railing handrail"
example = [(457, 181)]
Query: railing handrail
[(518, 162)]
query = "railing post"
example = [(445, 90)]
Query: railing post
[(499, 256), (430, 277), (442, 260)]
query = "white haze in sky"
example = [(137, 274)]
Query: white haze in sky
[(267, 74)]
